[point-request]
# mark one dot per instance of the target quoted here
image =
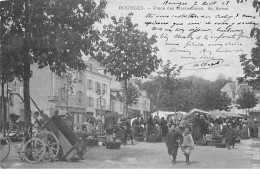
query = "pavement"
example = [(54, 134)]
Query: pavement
[(144, 155)]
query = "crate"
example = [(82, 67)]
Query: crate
[(91, 142), (154, 139), (201, 143), (139, 139), (102, 139), (220, 145), (113, 145), (212, 142)]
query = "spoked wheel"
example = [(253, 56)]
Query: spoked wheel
[(51, 143), (4, 149), (34, 150)]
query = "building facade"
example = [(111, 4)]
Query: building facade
[(82, 93), (233, 91), (97, 91), (51, 92)]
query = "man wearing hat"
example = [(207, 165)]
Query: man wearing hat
[(230, 136), (109, 125)]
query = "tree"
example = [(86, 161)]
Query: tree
[(70, 80), (246, 100), (187, 93), (251, 66), (132, 94), (50, 33), (127, 52), (216, 100)]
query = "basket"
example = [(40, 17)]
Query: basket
[(158, 139), (201, 143), (213, 142), (91, 142), (139, 139), (113, 145), (154, 139), (220, 145)]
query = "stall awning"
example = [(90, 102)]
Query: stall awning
[(230, 114), (216, 114), (195, 110)]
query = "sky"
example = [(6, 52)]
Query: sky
[(223, 29)]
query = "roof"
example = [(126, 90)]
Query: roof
[(242, 87), (232, 87)]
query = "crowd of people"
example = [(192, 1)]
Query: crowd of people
[(175, 132)]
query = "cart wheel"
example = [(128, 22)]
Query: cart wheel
[(51, 143), (4, 149), (34, 150)]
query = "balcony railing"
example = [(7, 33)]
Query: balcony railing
[(53, 98)]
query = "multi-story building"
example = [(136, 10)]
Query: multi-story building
[(233, 91), (142, 106), (51, 92), (91, 93), (97, 91)]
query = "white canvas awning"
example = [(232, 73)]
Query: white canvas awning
[(162, 114), (165, 114), (195, 110)]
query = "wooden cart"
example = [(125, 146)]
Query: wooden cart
[(69, 142)]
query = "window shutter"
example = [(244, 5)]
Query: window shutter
[(96, 86), (87, 102), (97, 103), (92, 102), (104, 103)]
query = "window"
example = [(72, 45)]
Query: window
[(62, 94), (103, 104), (80, 118), (97, 103), (80, 96), (90, 67), (90, 85), (121, 107), (11, 100), (97, 86), (90, 102), (104, 88), (113, 105), (80, 76), (76, 117)]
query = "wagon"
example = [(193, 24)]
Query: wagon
[(60, 140), (70, 144)]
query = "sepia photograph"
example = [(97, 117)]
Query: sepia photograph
[(130, 84)]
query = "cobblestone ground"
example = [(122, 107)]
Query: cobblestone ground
[(246, 155)]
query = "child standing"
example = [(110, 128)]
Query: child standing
[(172, 142), (187, 144)]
